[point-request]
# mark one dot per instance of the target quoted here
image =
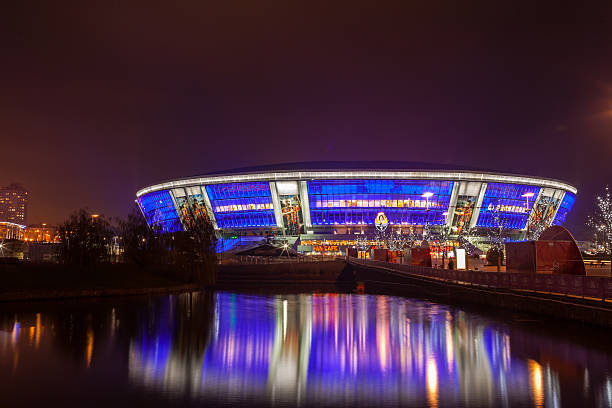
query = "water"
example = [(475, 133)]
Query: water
[(285, 350)]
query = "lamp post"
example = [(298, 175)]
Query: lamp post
[(426, 194), (527, 195), (443, 239)]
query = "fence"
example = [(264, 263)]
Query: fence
[(567, 285), (276, 260)]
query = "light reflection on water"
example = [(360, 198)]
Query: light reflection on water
[(311, 349)]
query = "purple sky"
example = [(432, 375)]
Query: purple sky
[(101, 98)]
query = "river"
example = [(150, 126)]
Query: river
[(322, 349)]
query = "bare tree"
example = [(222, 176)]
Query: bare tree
[(84, 239), (142, 245), (201, 246)]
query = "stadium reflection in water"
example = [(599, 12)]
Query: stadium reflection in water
[(330, 349), (352, 350)]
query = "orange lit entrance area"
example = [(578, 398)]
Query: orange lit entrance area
[(364, 247)]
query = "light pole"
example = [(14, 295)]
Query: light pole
[(527, 195), (443, 237), (426, 194)]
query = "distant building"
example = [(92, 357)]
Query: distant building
[(12, 248), (10, 230), (13, 204), (40, 233), (40, 252)]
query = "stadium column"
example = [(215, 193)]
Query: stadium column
[(278, 215), (476, 213), (561, 197), (532, 212), (452, 204), (208, 206), (550, 202), (178, 192), (305, 205), (141, 210)]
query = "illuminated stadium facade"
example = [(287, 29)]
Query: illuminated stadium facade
[(336, 198)]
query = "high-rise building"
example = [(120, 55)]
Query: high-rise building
[(13, 203)]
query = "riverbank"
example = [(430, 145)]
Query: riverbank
[(51, 281), (385, 278)]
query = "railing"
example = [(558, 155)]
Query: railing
[(283, 260), (567, 285)]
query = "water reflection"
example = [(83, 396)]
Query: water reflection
[(311, 349)]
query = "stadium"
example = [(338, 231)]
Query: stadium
[(329, 205)]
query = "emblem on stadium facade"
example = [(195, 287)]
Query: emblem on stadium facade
[(381, 221)]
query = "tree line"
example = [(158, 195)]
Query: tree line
[(88, 240)]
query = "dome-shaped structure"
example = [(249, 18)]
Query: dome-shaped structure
[(340, 199)]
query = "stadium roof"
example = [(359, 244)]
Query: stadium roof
[(353, 169)]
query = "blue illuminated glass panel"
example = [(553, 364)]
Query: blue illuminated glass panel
[(159, 211), (240, 205), (355, 202), (509, 201), (565, 208)]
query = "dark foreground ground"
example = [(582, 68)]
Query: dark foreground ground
[(42, 281)]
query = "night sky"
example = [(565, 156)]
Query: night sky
[(99, 99)]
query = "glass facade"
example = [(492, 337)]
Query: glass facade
[(565, 208), (327, 203), (159, 211), (509, 201), (240, 205), (356, 202)]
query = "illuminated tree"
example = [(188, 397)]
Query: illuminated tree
[(601, 221), (536, 229), (362, 243), (443, 236), (396, 241), (496, 234), (412, 240)]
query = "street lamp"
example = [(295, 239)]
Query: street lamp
[(427, 194), (527, 195)]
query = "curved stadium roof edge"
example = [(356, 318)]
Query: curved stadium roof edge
[(318, 171)]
